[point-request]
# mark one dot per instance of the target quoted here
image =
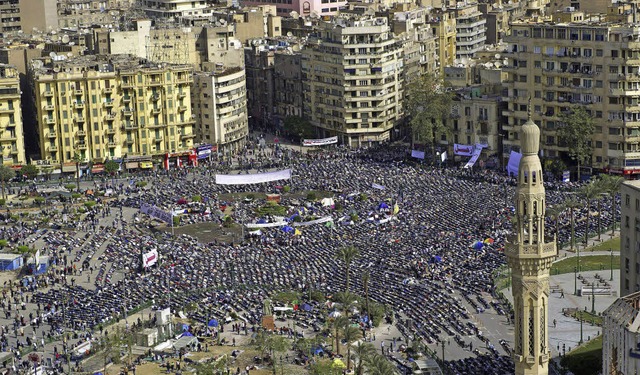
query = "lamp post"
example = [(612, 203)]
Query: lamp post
[(444, 369), (575, 281), (581, 339), (611, 277), (593, 297)]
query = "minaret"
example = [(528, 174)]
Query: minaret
[(529, 255)]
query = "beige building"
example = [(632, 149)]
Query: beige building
[(418, 41), (443, 27), (111, 107), (470, 30), (352, 81), (220, 108), (177, 10), (620, 345), (629, 237), (11, 132), (564, 65), (25, 15)]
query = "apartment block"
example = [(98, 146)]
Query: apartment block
[(303, 8), (220, 108), (470, 30), (11, 131), (561, 66), (111, 107), (443, 27), (352, 80), (629, 237), (177, 9), (25, 15)]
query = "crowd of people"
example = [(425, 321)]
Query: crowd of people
[(424, 261)]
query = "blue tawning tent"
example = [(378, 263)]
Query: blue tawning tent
[(185, 327), (305, 307), (261, 221), (213, 323), (187, 334), (477, 245), (287, 229), (383, 206)]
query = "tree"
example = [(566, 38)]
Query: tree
[(428, 106), (611, 186), (77, 159), (576, 132), (554, 212), (298, 127), (362, 352), (346, 300), (365, 285), (378, 365), (350, 334), (589, 192), (6, 174), (111, 167), (338, 325), (29, 170), (347, 255)]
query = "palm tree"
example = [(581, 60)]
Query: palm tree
[(351, 334), (339, 324), (345, 299), (611, 186), (572, 204), (6, 173), (362, 352), (378, 365), (77, 159), (589, 192), (365, 285), (554, 212), (347, 255)]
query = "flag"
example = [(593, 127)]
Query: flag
[(297, 232), (396, 209)]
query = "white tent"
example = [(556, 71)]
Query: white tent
[(326, 202)]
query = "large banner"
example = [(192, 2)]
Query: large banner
[(150, 258), (266, 225), (462, 150), (204, 151), (474, 157), (514, 163), (256, 178), (417, 154), (320, 142), (317, 221), (378, 186), (157, 213)]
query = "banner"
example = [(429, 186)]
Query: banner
[(462, 150), (150, 258), (514, 163), (37, 258), (377, 186), (474, 157), (417, 154), (256, 178), (443, 156), (566, 176), (157, 213), (320, 142), (317, 221), (266, 225), (204, 151)]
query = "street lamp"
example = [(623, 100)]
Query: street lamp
[(444, 370), (575, 281), (611, 278), (593, 297), (581, 339)]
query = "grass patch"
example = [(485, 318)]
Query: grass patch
[(587, 263), (587, 317), (271, 208), (586, 359), (613, 243)]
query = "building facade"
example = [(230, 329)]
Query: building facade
[(11, 130), (470, 30), (530, 255), (629, 238), (25, 15), (107, 108), (304, 8), (620, 341), (220, 108), (352, 81), (564, 65)]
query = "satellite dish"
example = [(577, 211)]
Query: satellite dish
[(505, 62), (289, 33), (294, 14), (222, 21), (55, 38), (56, 69), (70, 54), (497, 64), (52, 55), (65, 38), (456, 61), (37, 64), (497, 56), (72, 44)]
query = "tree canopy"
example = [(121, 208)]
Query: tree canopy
[(428, 106), (298, 127), (576, 131), (111, 167), (30, 170)]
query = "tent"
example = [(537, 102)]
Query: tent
[(187, 334), (327, 202), (305, 307), (287, 229), (383, 206), (261, 221), (212, 323), (489, 241), (338, 363), (185, 327), (477, 245)]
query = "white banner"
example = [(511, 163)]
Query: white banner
[(474, 157), (462, 150), (377, 186), (267, 225), (443, 156), (150, 258), (256, 178), (514, 163), (37, 258), (320, 142), (417, 154), (317, 221), (157, 213)]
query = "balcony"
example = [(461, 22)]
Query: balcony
[(108, 103), (81, 133), (82, 146), (110, 116), (53, 148), (111, 130), (155, 97), (187, 136), (127, 112), (49, 120), (155, 82), (130, 141), (181, 95), (48, 93), (127, 84), (79, 119), (14, 151), (157, 138), (50, 107), (107, 90), (182, 108), (52, 135), (78, 105), (130, 126), (77, 92), (112, 143), (126, 99), (156, 111)]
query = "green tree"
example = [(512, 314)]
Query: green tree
[(346, 301), (298, 127), (576, 131), (554, 212), (77, 158), (324, 367), (589, 192), (350, 334), (347, 255), (378, 365), (428, 107), (29, 170), (362, 352), (338, 325), (611, 185), (365, 286), (6, 174), (111, 167)]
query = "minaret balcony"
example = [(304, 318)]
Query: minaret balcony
[(527, 250)]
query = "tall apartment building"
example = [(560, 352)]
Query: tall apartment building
[(11, 132), (419, 43), (303, 8), (177, 9), (25, 15), (443, 27), (111, 107), (220, 108), (561, 66), (470, 30), (352, 80)]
